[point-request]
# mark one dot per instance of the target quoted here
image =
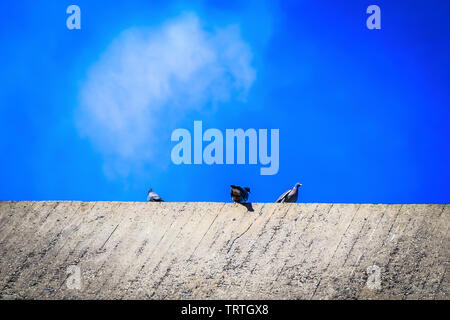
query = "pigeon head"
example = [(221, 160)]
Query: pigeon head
[(297, 185), (149, 190)]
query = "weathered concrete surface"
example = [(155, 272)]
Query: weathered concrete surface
[(222, 251)]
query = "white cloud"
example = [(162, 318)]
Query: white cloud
[(146, 75)]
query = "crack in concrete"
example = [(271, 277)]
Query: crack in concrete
[(207, 230), (234, 240), (100, 249), (337, 247)]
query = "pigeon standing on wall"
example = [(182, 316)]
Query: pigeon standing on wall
[(153, 197), (289, 196), (239, 194)]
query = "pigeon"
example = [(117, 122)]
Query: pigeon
[(153, 197), (290, 195), (239, 195)]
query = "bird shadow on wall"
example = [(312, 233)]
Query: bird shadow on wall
[(249, 206)]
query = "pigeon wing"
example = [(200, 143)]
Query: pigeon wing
[(294, 197), (283, 196), (154, 197)]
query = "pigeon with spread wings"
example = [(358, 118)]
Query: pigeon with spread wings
[(239, 194)]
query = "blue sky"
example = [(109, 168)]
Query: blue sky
[(87, 114)]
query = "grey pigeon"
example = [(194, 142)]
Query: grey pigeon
[(289, 196), (239, 194), (153, 197)]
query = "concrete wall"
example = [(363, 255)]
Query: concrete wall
[(223, 251)]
